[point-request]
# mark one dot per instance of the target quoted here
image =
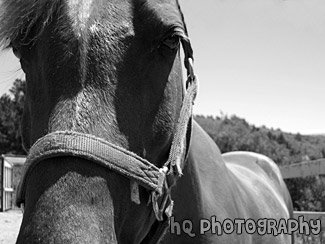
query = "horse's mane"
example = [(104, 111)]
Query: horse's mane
[(18, 17)]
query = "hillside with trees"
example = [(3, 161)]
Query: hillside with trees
[(230, 133), (234, 133)]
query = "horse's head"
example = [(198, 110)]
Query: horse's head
[(105, 69)]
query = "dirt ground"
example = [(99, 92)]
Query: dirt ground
[(9, 226)]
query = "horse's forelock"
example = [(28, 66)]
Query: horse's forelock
[(17, 17)]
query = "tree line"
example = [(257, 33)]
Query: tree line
[(11, 112), (230, 133)]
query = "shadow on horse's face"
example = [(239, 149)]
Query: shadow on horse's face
[(106, 68)]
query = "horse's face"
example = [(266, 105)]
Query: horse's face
[(106, 68)]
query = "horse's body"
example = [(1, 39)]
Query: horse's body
[(112, 70), (231, 185)]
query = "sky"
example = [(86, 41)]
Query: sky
[(262, 60)]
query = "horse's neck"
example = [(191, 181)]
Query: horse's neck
[(202, 174), (199, 193)]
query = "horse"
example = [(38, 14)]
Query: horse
[(114, 155)]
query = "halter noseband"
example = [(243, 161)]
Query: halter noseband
[(140, 171)]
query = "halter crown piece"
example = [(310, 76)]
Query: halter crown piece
[(140, 171)]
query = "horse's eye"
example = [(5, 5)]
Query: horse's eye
[(172, 42)]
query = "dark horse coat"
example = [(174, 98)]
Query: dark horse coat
[(111, 69)]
